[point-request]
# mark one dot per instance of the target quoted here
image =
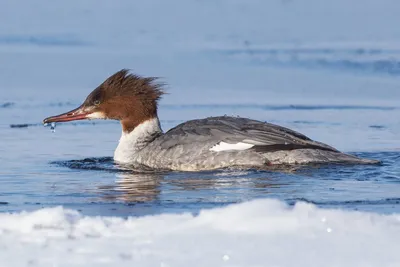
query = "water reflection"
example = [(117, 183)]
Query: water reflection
[(123, 190), (177, 187), (133, 187)]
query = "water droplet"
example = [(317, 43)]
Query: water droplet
[(53, 127), (329, 230), (286, 143), (225, 257)]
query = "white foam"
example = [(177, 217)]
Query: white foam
[(257, 233)]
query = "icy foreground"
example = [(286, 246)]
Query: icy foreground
[(257, 233)]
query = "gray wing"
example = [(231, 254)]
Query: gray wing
[(265, 137)]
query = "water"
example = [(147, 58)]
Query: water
[(73, 167), (284, 62), (53, 127)]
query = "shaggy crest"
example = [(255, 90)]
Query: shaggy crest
[(123, 83)]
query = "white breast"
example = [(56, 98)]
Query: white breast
[(134, 141)]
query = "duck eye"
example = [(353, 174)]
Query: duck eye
[(96, 102)]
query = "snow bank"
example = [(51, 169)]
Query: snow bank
[(257, 233)]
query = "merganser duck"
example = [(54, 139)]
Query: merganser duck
[(202, 144)]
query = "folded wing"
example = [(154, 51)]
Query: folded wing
[(239, 133)]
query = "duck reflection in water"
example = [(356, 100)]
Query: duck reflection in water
[(133, 188), (174, 187)]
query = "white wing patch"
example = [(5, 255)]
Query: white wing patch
[(222, 146)]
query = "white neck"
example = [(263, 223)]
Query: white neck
[(132, 142)]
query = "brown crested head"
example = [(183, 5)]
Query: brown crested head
[(123, 96)]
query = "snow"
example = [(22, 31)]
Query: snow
[(256, 233)]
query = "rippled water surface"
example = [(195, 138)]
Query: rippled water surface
[(73, 167), (336, 84)]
